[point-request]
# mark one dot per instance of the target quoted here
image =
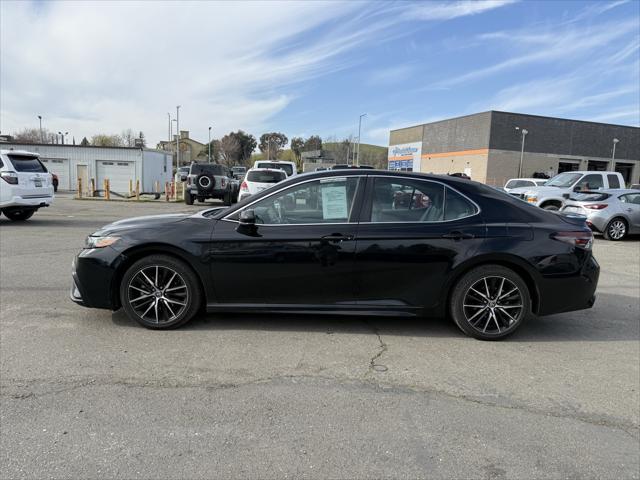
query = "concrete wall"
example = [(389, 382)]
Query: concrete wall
[(457, 134), (475, 165), (406, 135)]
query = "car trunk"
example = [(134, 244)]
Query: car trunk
[(33, 179)]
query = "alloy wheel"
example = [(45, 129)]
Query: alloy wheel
[(493, 305), (617, 229), (158, 294)]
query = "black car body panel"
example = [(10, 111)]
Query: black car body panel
[(351, 267)]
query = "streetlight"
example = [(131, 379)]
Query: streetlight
[(209, 145), (613, 155), (524, 134), (41, 137), (170, 126), (178, 136), (359, 128), (268, 147), (63, 134)]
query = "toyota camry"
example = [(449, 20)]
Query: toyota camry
[(356, 242)]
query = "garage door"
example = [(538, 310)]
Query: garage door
[(59, 166), (118, 173)]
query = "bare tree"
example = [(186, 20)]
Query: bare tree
[(102, 140), (32, 135), (230, 149)]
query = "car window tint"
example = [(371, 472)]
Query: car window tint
[(327, 200), (264, 176), (282, 166), (631, 198), (519, 183), (590, 182), (613, 181), (589, 197), (457, 206), (25, 163), (406, 200)]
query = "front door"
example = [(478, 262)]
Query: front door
[(300, 252), (412, 233), (631, 206)]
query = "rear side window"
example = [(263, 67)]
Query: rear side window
[(282, 166), (457, 206), (400, 200), (590, 182), (631, 198), (273, 176), (26, 163), (589, 197), (613, 181)]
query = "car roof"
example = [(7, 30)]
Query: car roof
[(18, 152), (265, 169), (529, 179)]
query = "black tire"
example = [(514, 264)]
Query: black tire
[(235, 196), (188, 198), (616, 229), (134, 283), (551, 207), (55, 185), (18, 215), (202, 199), (226, 200), (491, 322)]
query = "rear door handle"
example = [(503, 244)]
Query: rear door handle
[(337, 237), (457, 235)]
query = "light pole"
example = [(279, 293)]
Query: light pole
[(63, 134), (170, 126), (268, 147), (209, 156), (177, 136), (613, 155), (41, 137), (359, 129), (524, 134)]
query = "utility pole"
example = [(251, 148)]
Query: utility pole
[(209, 156), (524, 134), (359, 129), (268, 147), (613, 155), (170, 126), (178, 136), (41, 137)]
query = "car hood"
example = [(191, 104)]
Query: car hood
[(538, 190), (142, 222)]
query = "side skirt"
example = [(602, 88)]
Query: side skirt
[(392, 311)]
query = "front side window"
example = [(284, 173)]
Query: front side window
[(519, 183), (328, 200), (631, 198), (613, 181), (590, 182), (563, 180)]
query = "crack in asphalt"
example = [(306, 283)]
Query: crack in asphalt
[(383, 347), (602, 420)]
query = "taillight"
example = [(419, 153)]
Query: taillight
[(244, 187), (583, 238), (10, 177), (596, 206)]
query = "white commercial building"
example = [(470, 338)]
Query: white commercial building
[(118, 164)]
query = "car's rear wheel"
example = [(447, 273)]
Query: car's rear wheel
[(615, 230), (552, 207), (226, 200), (490, 302), (160, 292), (188, 197), (18, 215)]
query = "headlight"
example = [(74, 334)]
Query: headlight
[(100, 242), (531, 198)]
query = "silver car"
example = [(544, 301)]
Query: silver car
[(614, 213)]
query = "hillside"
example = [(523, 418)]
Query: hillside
[(373, 155)]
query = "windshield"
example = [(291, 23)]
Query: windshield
[(518, 183), (24, 163), (563, 180), (238, 169), (272, 176), (211, 168), (282, 166)]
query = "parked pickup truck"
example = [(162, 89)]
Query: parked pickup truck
[(555, 191)]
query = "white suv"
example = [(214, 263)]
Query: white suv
[(25, 184), (258, 179)]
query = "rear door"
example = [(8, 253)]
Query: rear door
[(33, 179), (412, 234), (631, 207)]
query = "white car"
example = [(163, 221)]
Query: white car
[(25, 184), (288, 167), (523, 182), (258, 179)]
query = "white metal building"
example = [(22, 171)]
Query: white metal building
[(118, 164)]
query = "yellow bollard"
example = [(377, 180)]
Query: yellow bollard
[(79, 187), (107, 189), (92, 192), (166, 191), (130, 187), (137, 189)]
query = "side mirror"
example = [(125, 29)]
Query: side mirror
[(247, 217), (577, 189)]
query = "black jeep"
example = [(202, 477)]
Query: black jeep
[(210, 180)]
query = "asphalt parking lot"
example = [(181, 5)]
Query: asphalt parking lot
[(89, 394)]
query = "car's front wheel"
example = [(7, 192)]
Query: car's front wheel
[(615, 230), (188, 197), (18, 215), (227, 200), (490, 302), (160, 292)]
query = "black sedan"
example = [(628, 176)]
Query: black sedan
[(358, 242)]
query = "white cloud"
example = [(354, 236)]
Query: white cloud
[(449, 10)]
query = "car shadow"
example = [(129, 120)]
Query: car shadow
[(594, 325)]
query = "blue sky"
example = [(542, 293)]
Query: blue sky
[(313, 67)]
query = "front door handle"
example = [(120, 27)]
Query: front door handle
[(337, 237), (457, 235)]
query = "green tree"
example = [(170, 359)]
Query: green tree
[(84, 142), (314, 142), (247, 143), (272, 144)]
